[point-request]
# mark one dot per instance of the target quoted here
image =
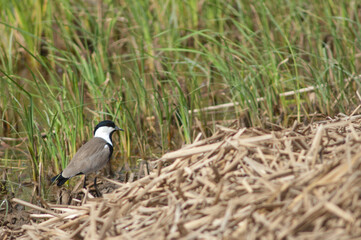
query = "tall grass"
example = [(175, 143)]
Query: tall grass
[(151, 65)]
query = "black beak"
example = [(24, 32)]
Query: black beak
[(118, 129)]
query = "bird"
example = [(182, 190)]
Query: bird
[(92, 156)]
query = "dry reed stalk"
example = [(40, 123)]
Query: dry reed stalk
[(297, 183)]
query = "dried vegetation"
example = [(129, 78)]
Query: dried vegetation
[(297, 183)]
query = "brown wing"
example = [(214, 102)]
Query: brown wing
[(91, 157)]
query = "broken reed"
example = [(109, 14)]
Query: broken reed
[(301, 183)]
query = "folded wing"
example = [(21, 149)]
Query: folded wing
[(91, 157)]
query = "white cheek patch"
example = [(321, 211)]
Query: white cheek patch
[(106, 146), (104, 132)]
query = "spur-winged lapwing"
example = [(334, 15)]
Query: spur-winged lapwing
[(92, 156)]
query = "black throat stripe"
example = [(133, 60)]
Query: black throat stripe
[(111, 150)]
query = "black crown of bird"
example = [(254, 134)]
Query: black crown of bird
[(92, 156)]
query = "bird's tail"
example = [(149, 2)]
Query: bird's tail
[(61, 180)]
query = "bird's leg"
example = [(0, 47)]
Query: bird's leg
[(84, 184), (96, 188)]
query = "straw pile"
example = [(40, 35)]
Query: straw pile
[(297, 183)]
